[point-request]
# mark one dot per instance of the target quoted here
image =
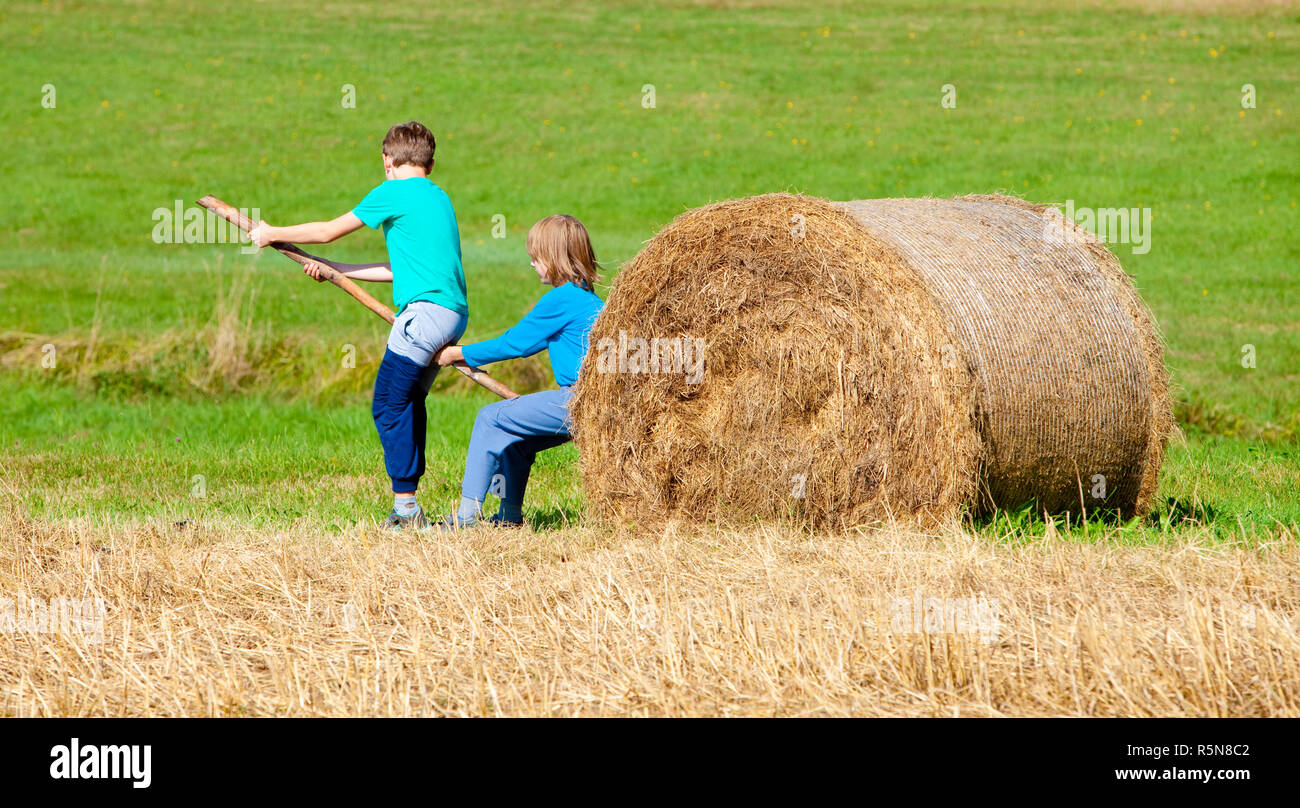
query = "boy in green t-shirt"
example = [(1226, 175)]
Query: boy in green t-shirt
[(428, 290)]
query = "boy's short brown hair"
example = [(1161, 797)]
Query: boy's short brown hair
[(412, 143), (561, 243)]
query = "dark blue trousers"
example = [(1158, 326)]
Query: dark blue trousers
[(398, 409)]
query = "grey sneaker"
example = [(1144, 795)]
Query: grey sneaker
[(452, 523), (397, 522)]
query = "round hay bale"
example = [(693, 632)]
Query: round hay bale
[(862, 361)]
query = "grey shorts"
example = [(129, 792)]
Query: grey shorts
[(422, 329)]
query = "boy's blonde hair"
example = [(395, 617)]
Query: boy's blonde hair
[(410, 143), (561, 243)]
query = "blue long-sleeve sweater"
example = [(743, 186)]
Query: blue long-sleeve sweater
[(559, 323)]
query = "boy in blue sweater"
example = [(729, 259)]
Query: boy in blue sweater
[(508, 434), (428, 290)]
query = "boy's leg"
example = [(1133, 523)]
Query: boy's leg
[(398, 411), (404, 378), (538, 418)]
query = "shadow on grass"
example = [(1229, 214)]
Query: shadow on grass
[(552, 518), (1030, 516), (1028, 521), (1177, 511)]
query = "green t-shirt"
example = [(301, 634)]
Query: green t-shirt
[(423, 241)]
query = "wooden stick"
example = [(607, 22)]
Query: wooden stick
[(332, 271)]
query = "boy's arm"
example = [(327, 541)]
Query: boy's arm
[(375, 273), (309, 233)]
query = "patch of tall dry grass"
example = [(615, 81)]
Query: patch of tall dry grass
[(223, 621)]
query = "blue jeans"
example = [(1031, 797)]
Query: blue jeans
[(506, 439), (405, 376)]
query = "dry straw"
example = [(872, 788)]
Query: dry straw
[(892, 358), (223, 619)]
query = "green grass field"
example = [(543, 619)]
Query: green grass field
[(195, 382)]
